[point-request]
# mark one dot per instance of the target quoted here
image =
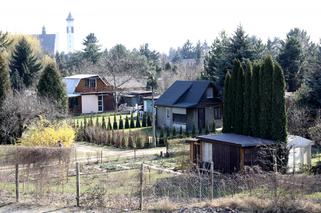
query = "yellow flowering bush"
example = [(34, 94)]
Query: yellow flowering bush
[(43, 133)]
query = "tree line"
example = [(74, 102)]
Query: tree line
[(254, 102)]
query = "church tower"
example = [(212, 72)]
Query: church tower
[(70, 33)]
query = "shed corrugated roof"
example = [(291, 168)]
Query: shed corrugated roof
[(241, 140), (183, 94), (297, 141)]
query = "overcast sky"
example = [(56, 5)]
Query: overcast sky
[(161, 23)]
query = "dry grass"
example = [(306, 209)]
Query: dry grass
[(164, 205)]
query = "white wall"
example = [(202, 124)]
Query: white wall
[(89, 103)]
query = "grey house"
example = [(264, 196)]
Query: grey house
[(188, 103)]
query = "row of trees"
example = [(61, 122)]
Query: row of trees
[(22, 71), (254, 102)]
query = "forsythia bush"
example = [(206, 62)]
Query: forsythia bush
[(43, 133)]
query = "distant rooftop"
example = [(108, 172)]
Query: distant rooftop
[(69, 18), (81, 76), (47, 41)]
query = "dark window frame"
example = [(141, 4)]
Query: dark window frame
[(179, 118), (217, 113)]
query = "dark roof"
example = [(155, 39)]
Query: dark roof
[(183, 94), (241, 140)]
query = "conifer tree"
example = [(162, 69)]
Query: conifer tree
[(168, 134), (115, 126), (279, 121), (109, 124), (180, 132), (232, 92), (255, 100), (213, 127), (85, 123), (144, 120), (121, 122), (247, 100), (137, 121), (4, 79), (149, 122), (193, 131), (186, 132), (132, 123), (126, 122), (239, 89), (103, 123), (266, 78), (174, 132), (51, 86), (91, 122), (227, 105), (97, 122), (24, 66)]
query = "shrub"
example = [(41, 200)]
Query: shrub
[(161, 137), (139, 144), (121, 124), (103, 123), (174, 132), (43, 133), (180, 132), (97, 122), (126, 122), (193, 131), (200, 130), (144, 120), (213, 127), (109, 139), (85, 123), (149, 122), (91, 122), (206, 130), (115, 126), (130, 141), (123, 142), (109, 124), (168, 134), (132, 124), (146, 144), (186, 132), (137, 121)]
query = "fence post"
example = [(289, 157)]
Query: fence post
[(212, 180), (78, 183), (17, 183), (101, 156), (200, 182), (141, 187)]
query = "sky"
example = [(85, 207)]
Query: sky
[(161, 23)]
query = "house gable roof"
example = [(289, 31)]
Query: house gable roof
[(72, 82), (183, 94)]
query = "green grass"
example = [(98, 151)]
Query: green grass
[(315, 159)]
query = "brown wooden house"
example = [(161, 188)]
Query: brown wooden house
[(228, 152), (89, 94)]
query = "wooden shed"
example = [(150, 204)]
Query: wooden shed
[(228, 152)]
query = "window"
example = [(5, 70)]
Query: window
[(73, 102), (179, 118), (90, 82), (67, 29), (72, 29), (217, 113), (209, 92), (100, 103)]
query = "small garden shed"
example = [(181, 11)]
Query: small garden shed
[(299, 153)]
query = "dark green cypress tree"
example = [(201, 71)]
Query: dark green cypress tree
[(91, 122), (193, 131), (126, 122), (232, 92), (247, 100), (97, 122), (168, 134), (180, 132), (279, 121), (103, 123), (144, 124), (85, 123), (132, 123), (121, 122), (213, 127), (51, 86), (137, 121), (186, 132), (227, 105), (4, 79), (115, 126), (109, 124), (255, 100), (266, 79), (174, 132), (24, 66), (149, 122), (239, 90)]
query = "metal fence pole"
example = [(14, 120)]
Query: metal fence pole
[(141, 187), (17, 182), (212, 180), (200, 183), (78, 184)]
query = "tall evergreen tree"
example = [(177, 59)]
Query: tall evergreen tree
[(247, 99), (266, 80), (239, 95), (92, 49), (232, 92), (279, 121), (51, 86), (4, 79), (24, 66), (255, 100), (227, 104)]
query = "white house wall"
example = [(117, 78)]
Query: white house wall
[(89, 103)]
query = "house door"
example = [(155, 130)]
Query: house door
[(201, 118), (100, 103)]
